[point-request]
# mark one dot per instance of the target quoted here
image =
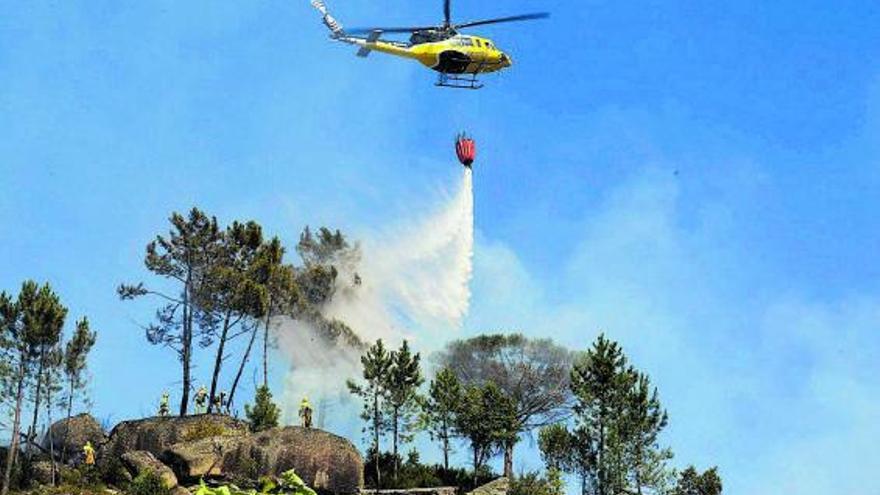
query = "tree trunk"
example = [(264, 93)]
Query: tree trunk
[(51, 440), (508, 460), (218, 363), (16, 426), (32, 431), (186, 352), (67, 428), (244, 360), (395, 426), (476, 464), (376, 438), (266, 347), (446, 453)]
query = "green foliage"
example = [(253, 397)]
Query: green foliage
[(691, 482), (413, 474), (148, 483), (204, 429), (30, 336), (289, 483), (265, 413), (532, 373), (613, 446), (403, 380), (487, 418), (532, 483), (376, 367), (555, 443), (438, 410)]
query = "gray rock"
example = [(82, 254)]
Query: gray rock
[(70, 435), (140, 461), (323, 460), (500, 486), (155, 435)]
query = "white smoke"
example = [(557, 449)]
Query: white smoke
[(415, 284)]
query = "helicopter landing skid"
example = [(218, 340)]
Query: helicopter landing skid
[(458, 82)]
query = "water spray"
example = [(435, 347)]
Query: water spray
[(415, 285)]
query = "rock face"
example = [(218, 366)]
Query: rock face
[(70, 435), (139, 461), (155, 435), (501, 486), (323, 460)]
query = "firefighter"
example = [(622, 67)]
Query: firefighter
[(89, 454), (202, 400), (305, 412), (163, 405)]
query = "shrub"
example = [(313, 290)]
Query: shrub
[(264, 414), (204, 429), (532, 483), (148, 483)]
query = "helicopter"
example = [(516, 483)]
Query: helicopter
[(459, 59)]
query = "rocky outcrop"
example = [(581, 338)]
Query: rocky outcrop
[(323, 460), (70, 435), (201, 458), (140, 461), (155, 435), (500, 486)]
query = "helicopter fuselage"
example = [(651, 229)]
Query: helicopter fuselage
[(457, 54)]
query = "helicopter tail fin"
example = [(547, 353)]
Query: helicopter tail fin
[(332, 24), (371, 38)]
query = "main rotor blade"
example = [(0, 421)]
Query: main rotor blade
[(524, 17), (388, 30), (447, 12)]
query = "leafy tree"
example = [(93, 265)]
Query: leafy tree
[(404, 379), (643, 420), (487, 418), (75, 353), (28, 327), (692, 482), (265, 413), (327, 256), (439, 407), (600, 380), (278, 280), (185, 257), (533, 373), (376, 363), (235, 296), (555, 444)]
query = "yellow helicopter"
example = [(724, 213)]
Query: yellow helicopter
[(458, 58)]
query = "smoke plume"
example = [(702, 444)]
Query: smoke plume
[(415, 284)]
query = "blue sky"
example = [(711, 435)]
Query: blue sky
[(699, 181)]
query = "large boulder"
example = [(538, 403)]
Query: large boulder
[(140, 461), (70, 435), (323, 460), (155, 435)]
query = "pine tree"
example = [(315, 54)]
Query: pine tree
[(438, 410), (265, 413), (376, 363), (691, 482), (487, 418), (186, 256), (27, 326), (404, 379), (75, 353), (599, 381)]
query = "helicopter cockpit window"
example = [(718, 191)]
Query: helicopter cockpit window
[(465, 42)]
